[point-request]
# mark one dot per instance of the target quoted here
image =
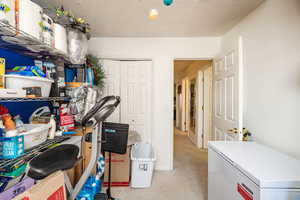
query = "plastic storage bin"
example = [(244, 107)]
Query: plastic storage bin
[(11, 147), (143, 159), (35, 134), (20, 82)]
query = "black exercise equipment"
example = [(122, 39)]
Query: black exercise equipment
[(64, 157)]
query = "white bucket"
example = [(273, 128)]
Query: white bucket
[(19, 82), (143, 159)]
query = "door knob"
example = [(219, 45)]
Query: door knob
[(233, 131)]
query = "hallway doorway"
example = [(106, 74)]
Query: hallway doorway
[(193, 100)]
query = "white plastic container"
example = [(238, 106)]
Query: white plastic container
[(12, 93), (7, 12), (28, 17), (143, 159), (19, 82), (35, 134), (48, 31), (60, 38)]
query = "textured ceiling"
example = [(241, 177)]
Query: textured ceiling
[(185, 18)]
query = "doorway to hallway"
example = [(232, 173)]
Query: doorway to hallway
[(193, 100)]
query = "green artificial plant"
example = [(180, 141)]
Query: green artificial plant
[(93, 62)]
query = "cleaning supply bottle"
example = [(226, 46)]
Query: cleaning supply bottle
[(11, 133), (2, 129), (53, 127), (9, 124), (19, 124)]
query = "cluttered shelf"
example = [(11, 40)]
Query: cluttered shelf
[(18, 41), (9, 165), (56, 99)]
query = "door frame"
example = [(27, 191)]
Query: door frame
[(172, 81), (207, 104), (199, 111), (177, 104), (184, 106)]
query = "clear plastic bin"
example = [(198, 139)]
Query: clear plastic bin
[(35, 134), (143, 160)]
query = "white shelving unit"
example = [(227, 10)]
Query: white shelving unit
[(23, 43)]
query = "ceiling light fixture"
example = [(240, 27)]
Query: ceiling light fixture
[(168, 2), (153, 14)]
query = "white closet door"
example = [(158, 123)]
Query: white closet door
[(136, 97), (112, 84)]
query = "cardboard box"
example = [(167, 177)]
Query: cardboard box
[(86, 154), (120, 169), (80, 131), (75, 173), (50, 188)]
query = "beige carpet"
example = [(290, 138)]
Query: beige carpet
[(180, 132), (188, 181)]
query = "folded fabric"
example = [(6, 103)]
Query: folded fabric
[(27, 71)]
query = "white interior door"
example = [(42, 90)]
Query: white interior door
[(207, 121), (199, 109), (183, 105), (112, 84), (136, 96), (228, 93)]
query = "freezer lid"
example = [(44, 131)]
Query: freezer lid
[(266, 167)]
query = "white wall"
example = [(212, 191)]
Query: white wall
[(162, 51), (272, 73)]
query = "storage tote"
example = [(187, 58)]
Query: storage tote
[(20, 82), (143, 159), (35, 134)]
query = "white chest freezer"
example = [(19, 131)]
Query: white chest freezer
[(249, 171)]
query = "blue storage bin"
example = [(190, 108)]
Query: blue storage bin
[(11, 147)]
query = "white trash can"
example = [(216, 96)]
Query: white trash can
[(143, 159)]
